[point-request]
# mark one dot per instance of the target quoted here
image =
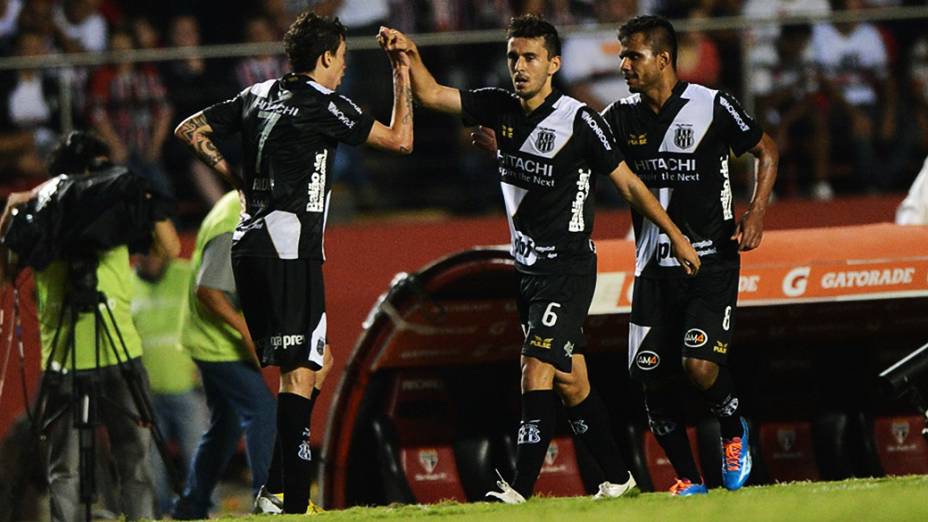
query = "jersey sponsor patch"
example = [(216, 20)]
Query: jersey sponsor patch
[(647, 360), (341, 115), (695, 338)]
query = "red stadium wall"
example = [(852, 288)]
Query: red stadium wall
[(362, 259)]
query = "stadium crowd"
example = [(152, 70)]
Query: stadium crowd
[(847, 103)]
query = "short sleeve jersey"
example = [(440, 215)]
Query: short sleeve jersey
[(548, 162), (681, 153), (290, 128)]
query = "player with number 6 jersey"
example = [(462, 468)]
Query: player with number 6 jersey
[(551, 152)]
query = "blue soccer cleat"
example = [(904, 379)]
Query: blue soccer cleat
[(685, 488), (736, 459)]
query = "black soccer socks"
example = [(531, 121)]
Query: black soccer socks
[(275, 481), (592, 428), (722, 402), (535, 433), (293, 413), (668, 429)]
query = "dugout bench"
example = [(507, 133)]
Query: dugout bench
[(428, 405)]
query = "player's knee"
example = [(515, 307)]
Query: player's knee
[(572, 391), (536, 374), (701, 373), (298, 381)]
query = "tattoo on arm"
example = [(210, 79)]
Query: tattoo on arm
[(407, 100), (191, 131)]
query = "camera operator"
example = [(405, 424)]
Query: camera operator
[(77, 155)]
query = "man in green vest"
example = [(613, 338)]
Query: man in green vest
[(158, 302), (83, 154), (215, 335)]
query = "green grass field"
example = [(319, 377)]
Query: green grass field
[(870, 500)]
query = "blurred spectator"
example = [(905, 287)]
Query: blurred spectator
[(698, 56), (854, 72), (918, 87), (192, 83), (256, 69), (590, 65), (83, 28), (282, 13), (145, 33), (130, 110), (557, 12), (761, 38), (787, 102), (28, 117), (159, 299), (9, 13)]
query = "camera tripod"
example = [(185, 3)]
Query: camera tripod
[(83, 388)]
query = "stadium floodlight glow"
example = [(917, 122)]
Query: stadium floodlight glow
[(902, 379)]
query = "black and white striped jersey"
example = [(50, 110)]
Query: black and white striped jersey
[(681, 154), (290, 128), (548, 162)]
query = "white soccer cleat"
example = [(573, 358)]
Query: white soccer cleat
[(610, 490), (267, 503), (507, 495)]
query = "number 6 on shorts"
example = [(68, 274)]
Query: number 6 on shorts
[(549, 317)]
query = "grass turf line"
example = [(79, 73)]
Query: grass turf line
[(870, 500)]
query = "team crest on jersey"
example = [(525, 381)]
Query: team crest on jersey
[(683, 136), (544, 140)]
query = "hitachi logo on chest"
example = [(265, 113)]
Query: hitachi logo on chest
[(526, 165), (278, 108), (667, 165)]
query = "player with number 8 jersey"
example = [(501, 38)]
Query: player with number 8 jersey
[(677, 138), (552, 149)]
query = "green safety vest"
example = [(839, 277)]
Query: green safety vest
[(205, 336), (114, 278), (156, 309)]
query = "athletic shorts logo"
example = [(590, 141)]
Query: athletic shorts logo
[(683, 136), (647, 360), (541, 342), (287, 341), (428, 458), (529, 432), (544, 141), (569, 349), (720, 347), (694, 338)]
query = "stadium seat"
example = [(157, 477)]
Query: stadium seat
[(787, 451), (560, 473), (420, 459), (899, 444), (658, 467)]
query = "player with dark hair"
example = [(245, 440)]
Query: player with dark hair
[(290, 128), (552, 150), (677, 138)]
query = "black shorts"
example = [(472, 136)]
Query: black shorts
[(552, 309), (284, 305), (680, 317)]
